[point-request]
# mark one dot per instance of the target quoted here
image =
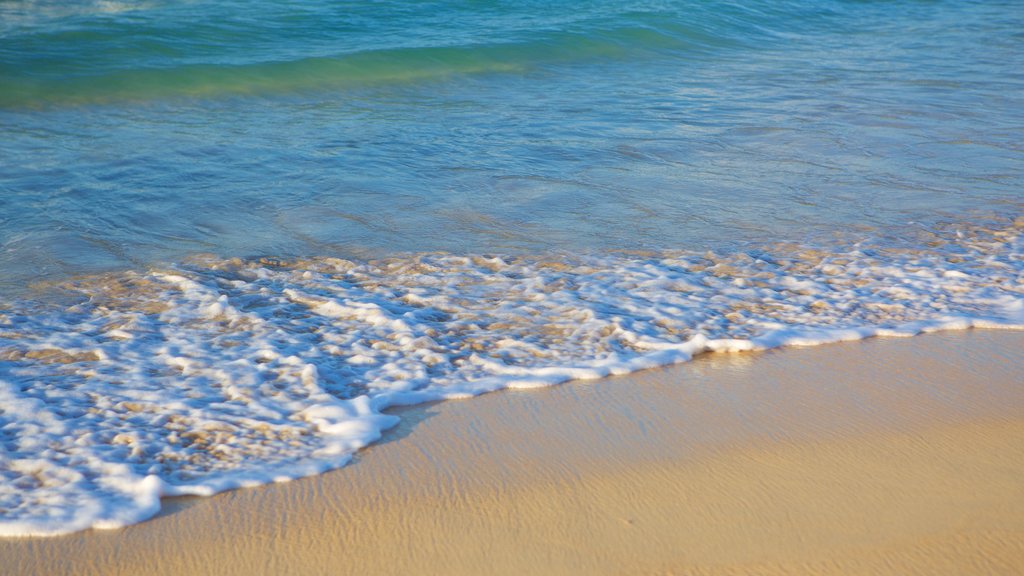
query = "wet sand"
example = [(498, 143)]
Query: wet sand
[(896, 456)]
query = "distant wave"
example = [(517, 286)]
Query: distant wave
[(112, 57), (360, 69)]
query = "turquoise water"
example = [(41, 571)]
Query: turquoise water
[(233, 233), (142, 132)]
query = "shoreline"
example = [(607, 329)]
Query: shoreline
[(899, 455)]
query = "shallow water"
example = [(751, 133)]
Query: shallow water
[(137, 133), (232, 233)]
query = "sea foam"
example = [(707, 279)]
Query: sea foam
[(221, 373)]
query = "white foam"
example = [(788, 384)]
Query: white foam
[(221, 374)]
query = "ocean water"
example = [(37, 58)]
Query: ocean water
[(233, 233)]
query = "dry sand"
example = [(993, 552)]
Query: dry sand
[(896, 456)]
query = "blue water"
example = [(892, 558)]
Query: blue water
[(134, 133), (233, 233)]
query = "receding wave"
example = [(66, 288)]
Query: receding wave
[(220, 373)]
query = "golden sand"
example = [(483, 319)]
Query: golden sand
[(889, 456)]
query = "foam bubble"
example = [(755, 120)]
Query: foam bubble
[(226, 373)]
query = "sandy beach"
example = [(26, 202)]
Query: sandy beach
[(896, 456)]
